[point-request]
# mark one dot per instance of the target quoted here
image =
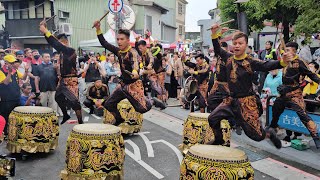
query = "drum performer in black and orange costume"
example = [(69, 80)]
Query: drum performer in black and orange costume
[(130, 86), (291, 93), (201, 72), (67, 91), (242, 103), (146, 71)]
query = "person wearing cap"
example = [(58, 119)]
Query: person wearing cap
[(9, 86), (67, 93), (97, 93), (93, 69)]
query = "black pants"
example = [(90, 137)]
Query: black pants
[(89, 104), (5, 110), (245, 111), (295, 101), (67, 95), (134, 92)]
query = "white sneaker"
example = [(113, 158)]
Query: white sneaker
[(285, 144)]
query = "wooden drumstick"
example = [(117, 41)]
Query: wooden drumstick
[(102, 17), (50, 18), (128, 72), (223, 23)]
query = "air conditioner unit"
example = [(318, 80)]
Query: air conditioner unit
[(65, 28), (64, 14)]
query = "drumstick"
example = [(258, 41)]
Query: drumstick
[(102, 17), (51, 18), (226, 22)]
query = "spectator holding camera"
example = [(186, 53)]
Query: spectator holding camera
[(27, 98), (93, 69)]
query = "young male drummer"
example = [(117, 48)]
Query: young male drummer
[(130, 87), (146, 69), (201, 71), (242, 104), (67, 93), (291, 93)]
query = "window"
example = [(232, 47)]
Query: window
[(24, 5), (180, 8), (149, 23), (180, 29), (16, 12), (39, 8)]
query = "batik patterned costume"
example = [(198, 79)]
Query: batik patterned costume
[(291, 95), (129, 88), (67, 93), (242, 104)]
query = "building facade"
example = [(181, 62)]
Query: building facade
[(148, 17), (75, 18), (181, 19)]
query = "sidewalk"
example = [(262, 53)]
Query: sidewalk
[(309, 158)]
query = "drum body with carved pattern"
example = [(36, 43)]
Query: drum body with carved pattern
[(33, 129), (198, 131), (204, 162), (94, 151), (133, 119)]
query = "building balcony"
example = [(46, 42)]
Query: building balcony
[(25, 28)]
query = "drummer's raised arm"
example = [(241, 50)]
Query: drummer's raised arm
[(216, 44), (103, 41)]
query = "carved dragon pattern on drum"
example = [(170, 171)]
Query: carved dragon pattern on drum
[(195, 168), (198, 131), (133, 119), (33, 132), (95, 156)]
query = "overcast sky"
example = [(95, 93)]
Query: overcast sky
[(196, 10)]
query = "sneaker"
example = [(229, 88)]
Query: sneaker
[(285, 144), (238, 130), (65, 119), (287, 139), (159, 103), (274, 138)]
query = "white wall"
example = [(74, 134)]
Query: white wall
[(156, 23)]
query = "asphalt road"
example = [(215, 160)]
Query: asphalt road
[(150, 155)]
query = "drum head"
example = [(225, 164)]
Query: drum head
[(200, 115), (96, 129), (33, 109), (218, 152)]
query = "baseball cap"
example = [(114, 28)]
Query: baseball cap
[(19, 53), (10, 58)]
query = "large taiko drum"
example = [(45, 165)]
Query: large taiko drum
[(215, 162), (133, 119), (198, 131), (33, 129), (94, 151)]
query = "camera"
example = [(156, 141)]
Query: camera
[(7, 167)]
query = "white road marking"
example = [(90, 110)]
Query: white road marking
[(86, 119), (280, 170), (147, 142), (176, 150), (137, 157)]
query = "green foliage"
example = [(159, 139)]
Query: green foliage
[(304, 14)]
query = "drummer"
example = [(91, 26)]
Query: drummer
[(67, 91), (243, 103), (201, 72), (130, 87)]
